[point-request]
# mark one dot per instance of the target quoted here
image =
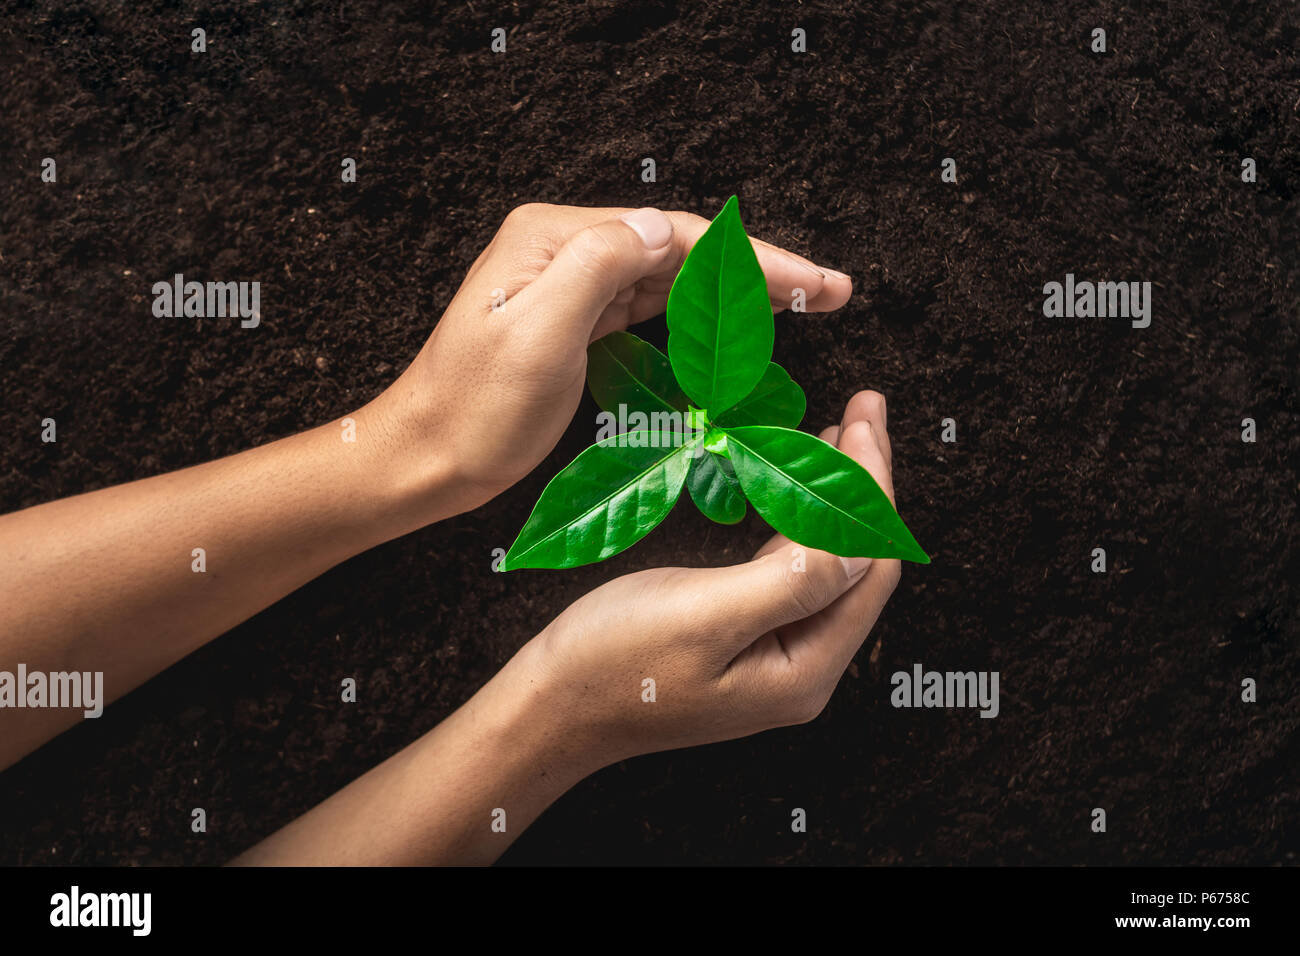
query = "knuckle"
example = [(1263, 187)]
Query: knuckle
[(525, 216), (594, 251), (789, 684), (808, 706), (689, 220), (800, 586), (859, 434), (794, 693)]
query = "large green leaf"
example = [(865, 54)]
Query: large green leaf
[(775, 400), (606, 499), (715, 490), (816, 495), (720, 327), (623, 369)]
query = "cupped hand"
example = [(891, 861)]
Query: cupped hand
[(498, 381), (730, 651)]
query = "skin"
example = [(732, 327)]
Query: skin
[(103, 581)]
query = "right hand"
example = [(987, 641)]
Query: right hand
[(493, 390), (732, 650)]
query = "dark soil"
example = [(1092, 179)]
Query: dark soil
[(1119, 691)]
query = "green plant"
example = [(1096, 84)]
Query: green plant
[(720, 418)]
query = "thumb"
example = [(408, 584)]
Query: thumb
[(779, 588), (595, 264)]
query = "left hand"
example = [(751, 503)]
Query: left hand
[(731, 651)]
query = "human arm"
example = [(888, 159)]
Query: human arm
[(732, 651), (108, 581)]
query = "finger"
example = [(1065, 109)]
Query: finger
[(526, 242), (617, 315), (827, 642), (858, 440), (834, 292), (829, 435), (825, 289), (629, 307), (593, 266), (647, 305), (783, 586), (871, 406)]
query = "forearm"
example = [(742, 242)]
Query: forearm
[(111, 581), (459, 795)]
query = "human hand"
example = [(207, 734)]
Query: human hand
[(493, 389), (732, 650)]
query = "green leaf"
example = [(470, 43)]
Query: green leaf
[(623, 369), (816, 495), (605, 500), (715, 490), (720, 327), (775, 400)]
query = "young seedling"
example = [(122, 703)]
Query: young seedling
[(716, 415)]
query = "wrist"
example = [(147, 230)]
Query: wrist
[(411, 477), (532, 711)]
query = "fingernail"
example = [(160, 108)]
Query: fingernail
[(836, 274), (654, 228), (855, 567), (809, 267)]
